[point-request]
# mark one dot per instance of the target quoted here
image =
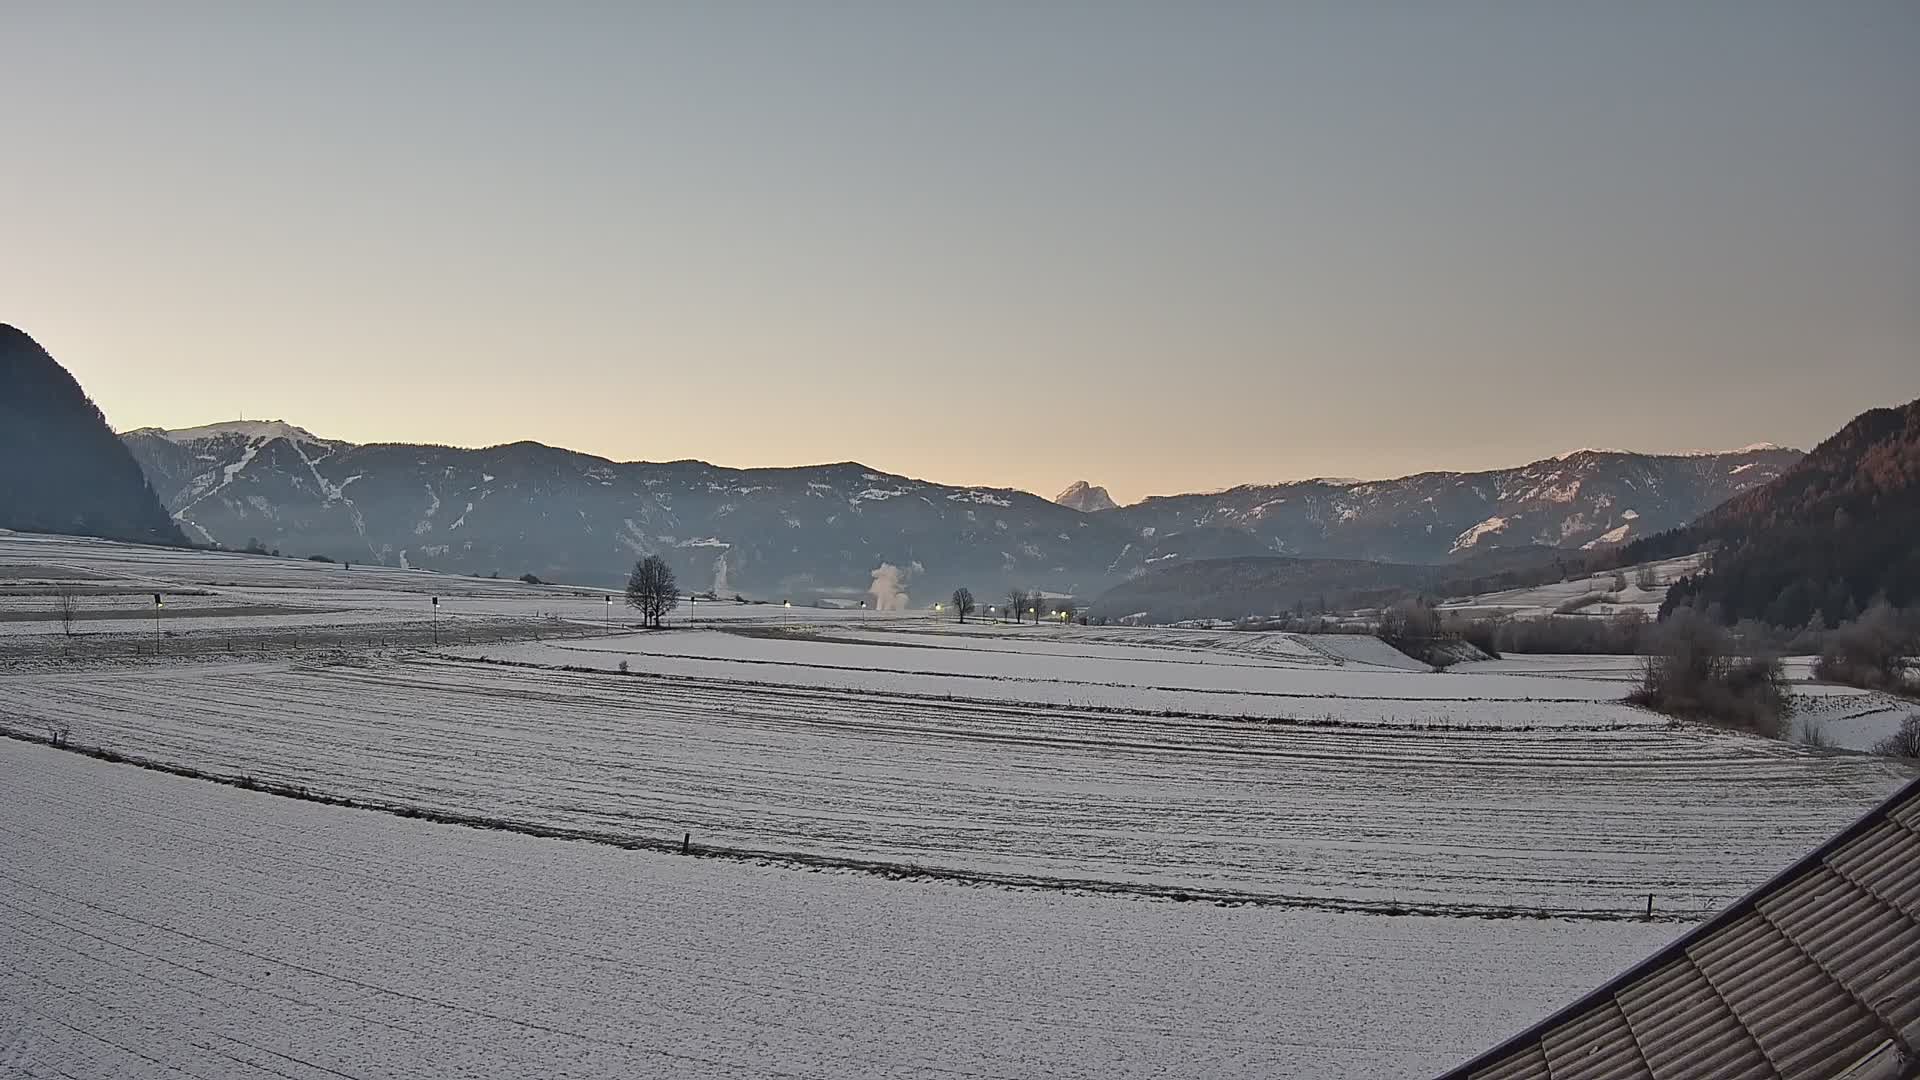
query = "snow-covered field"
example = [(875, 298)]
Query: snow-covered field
[(933, 849), (112, 581), (1573, 821), (1845, 717), (1556, 597), (1840, 716), (154, 926), (1034, 666)]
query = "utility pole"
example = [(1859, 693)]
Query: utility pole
[(156, 623), (436, 622), (609, 613)]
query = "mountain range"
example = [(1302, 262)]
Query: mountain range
[(822, 530)]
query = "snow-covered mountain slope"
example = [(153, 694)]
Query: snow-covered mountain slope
[(1585, 499), (263, 429), (565, 516), (823, 529), (1084, 497)]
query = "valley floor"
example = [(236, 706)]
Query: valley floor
[(920, 849), (156, 926)]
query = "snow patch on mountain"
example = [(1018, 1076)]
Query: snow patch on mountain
[(1612, 536), (265, 430), (983, 498), (1472, 536)]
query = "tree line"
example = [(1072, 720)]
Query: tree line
[(1021, 604)]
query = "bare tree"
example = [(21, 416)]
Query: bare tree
[(1066, 608), (1409, 620), (963, 602), (651, 590), (1036, 605), (1017, 603), (66, 604), (1646, 578)]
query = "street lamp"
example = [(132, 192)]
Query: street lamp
[(436, 622), (609, 599)]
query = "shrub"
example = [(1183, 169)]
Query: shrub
[(1812, 732), (531, 580), (1407, 621), (1413, 627), (1904, 742), (1482, 634), (66, 607), (1869, 652), (320, 558), (1624, 634), (1696, 675)]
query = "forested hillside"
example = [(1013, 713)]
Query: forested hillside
[(62, 469), (1821, 541)]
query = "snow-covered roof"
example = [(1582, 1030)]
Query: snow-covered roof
[(1812, 975)]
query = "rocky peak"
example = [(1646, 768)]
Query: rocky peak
[(1084, 497)]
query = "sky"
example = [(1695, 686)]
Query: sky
[(1163, 247)]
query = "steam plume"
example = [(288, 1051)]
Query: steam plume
[(886, 592)]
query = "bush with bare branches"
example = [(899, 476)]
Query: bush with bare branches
[(1695, 673), (67, 605), (1870, 652), (1904, 742)]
